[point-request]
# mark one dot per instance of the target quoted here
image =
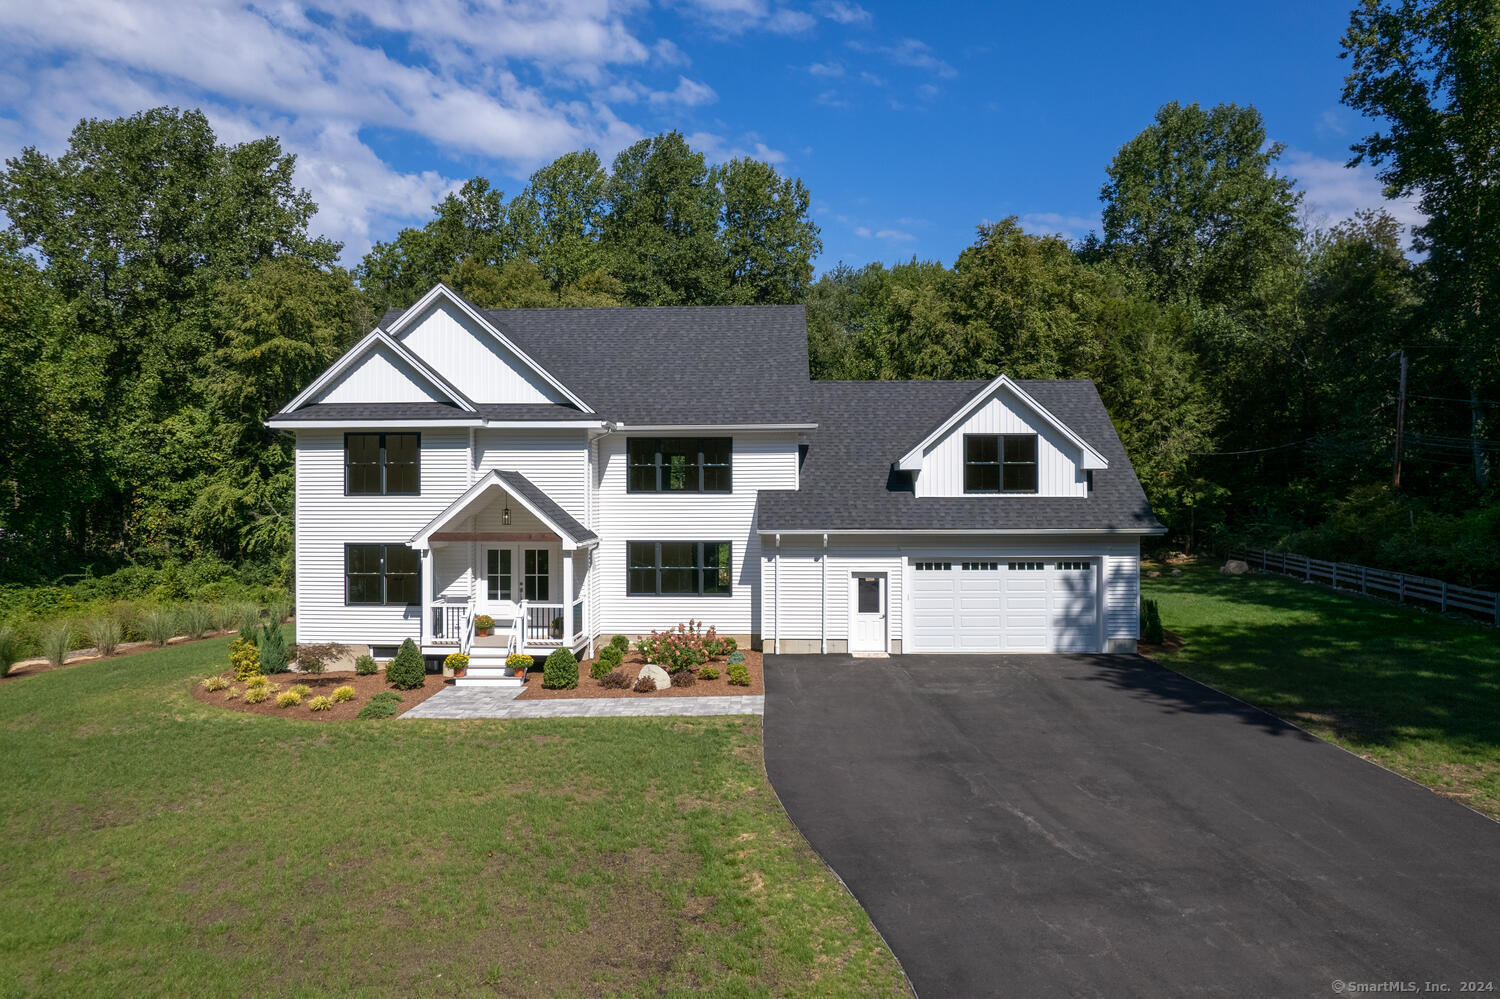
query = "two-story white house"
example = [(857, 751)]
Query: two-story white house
[(579, 473)]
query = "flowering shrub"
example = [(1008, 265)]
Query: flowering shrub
[(680, 648)]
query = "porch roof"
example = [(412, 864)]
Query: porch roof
[(524, 492)]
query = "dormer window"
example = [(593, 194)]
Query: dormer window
[(1000, 463)]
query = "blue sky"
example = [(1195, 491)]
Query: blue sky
[(910, 123)]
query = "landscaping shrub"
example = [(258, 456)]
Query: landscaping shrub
[(194, 620), (1151, 629), (9, 644), (300, 689), (258, 681), (320, 704), (616, 681), (274, 657), (383, 705), (560, 671), (248, 618), (215, 683), (288, 699), (612, 654), (342, 694), (314, 659), (684, 678), (735, 658), (708, 673), (606, 662), (231, 693), (365, 666), (104, 635), (730, 645), (620, 642), (679, 648), (158, 625), (245, 658), (255, 695), (223, 616), (57, 642), (406, 671), (279, 609), (644, 684), (739, 675)]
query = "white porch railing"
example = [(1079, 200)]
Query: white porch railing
[(544, 622), (453, 623)]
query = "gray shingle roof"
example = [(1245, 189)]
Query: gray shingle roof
[(848, 480), (520, 485), (671, 365)]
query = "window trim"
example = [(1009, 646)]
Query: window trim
[(698, 568), (1000, 463), (384, 588), (381, 461), (659, 466)]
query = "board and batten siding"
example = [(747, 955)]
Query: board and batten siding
[(802, 613), (1058, 472), (477, 364), (760, 461), (326, 520), (555, 461), (380, 374)]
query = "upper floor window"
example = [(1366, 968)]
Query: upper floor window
[(679, 464), (1000, 463), (382, 464)]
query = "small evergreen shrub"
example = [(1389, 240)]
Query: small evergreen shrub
[(616, 681), (407, 671), (385, 704), (288, 699), (274, 656), (739, 675), (342, 694), (215, 683), (244, 657), (708, 673), (300, 689), (612, 654), (9, 648), (1151, 629), (735, 658), (57, 642), (320, 704), (644, 684), (684, 678), (158, 625), (365, 666), (255, 695), (605, 664), (560, 671), (620, 642), (104, 635)]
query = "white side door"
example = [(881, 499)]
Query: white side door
[(867, 612)]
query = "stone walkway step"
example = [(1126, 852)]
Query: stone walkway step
[(500, 702)]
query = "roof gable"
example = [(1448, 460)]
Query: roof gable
[(378, 369), (523, 491), (1090, 458)]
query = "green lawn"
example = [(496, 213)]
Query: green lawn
[(1413, 691), (156, 846)]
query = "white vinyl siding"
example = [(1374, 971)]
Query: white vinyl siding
[(761, 461), (381, 376), (1122, 590), (555, 461), (1057, 459), (326, 520), (471, 358)]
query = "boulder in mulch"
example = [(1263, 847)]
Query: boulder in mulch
[(663, 680), (1235, 567)]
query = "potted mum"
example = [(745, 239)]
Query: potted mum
[(518, 664), (458, 663), (484, 624)]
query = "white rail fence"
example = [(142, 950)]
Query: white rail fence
[(1380, 583)]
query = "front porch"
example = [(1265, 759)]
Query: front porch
[(505, 552)]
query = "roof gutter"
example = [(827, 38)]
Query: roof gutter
[(1006, 531)]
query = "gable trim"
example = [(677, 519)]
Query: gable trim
[(494, 479), (379, 338), (441, 290), (911, 461)]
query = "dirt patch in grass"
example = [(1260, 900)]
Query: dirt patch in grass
[(365, 687), (1171, 642), (589, 687)]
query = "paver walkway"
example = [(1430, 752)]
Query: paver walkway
[(500, 702)]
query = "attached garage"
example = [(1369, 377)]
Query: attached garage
[(985, 604)]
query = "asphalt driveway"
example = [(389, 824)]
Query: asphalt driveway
[(1097, 825)]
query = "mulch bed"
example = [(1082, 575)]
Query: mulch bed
[(1171, 642), (365, 687), (588, 687)]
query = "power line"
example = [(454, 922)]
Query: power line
[(1449, 398), (1258, 450)]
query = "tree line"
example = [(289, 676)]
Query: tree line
[(161, 295)]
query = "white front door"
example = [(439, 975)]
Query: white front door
[(867, 612), (497, 578)]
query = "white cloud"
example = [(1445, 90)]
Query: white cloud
[(927, 91), (666, 51), (871, 78), (910, 52), (843, 13), (717, 149), (895, 235), (826, 69), (1334, 192), (689, 93), (862, 231), (734, 17), (790, 22), (831, 99), (1069, 227)]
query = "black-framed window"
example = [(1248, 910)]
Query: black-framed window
[(382, 575), (678, 568), (679, 464), (382, 464), (497, 574), (999, 463)]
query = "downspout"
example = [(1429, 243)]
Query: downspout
[(823, 600), (473, 545), (776, 585)]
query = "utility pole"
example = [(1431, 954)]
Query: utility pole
[(1400, 423)]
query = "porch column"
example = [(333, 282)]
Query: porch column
[(427, 594), (567, 567)]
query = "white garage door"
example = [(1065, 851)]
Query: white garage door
[(1009, 605)]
